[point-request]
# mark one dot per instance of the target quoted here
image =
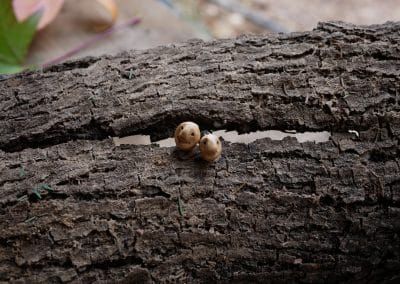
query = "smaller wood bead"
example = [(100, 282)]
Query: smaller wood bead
[(210, 147)]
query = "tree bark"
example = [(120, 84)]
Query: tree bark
[(75, 208)]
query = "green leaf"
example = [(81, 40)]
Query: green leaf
[(46, 187), (21, 172), (36, 192), (15, 38), (10, 69)]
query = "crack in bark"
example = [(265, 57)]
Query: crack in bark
[(118, 104)]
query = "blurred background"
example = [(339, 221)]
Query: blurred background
[(168, 21)]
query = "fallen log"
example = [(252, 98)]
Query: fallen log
[(76, 208)]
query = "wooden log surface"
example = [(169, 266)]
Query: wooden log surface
[(269, 211)]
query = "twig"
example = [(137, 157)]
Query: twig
[(133, 21), (180, 206), (23, 197), (30, 219), (197, 25), (253, 16)]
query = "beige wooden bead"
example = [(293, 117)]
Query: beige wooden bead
[(210, 147), (187, 135)]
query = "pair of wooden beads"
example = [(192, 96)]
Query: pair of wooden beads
[(187, 136)]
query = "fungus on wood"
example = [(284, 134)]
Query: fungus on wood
[(264, 212)]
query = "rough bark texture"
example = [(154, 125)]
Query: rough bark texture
[(270, 211)]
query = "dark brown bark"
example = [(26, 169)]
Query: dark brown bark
[(270, 211)]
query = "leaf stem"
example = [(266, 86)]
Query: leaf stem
[(133, 21)]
